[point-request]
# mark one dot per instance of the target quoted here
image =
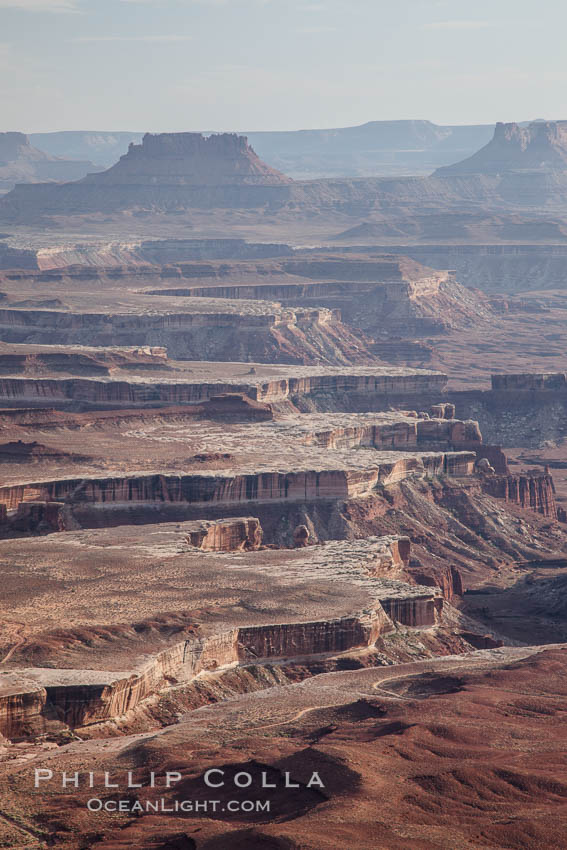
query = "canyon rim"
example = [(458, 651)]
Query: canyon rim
[(283, 426)]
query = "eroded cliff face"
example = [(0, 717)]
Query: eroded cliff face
[(536, 260), (276, 334), (305, 639), (415, 613), (227, 535), (324, 392), (40, 360), (21, 707), (401, 435), (270, 486), (82, 698), (42, 517), (534, 491)]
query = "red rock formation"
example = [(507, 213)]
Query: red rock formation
[(443, 410), (81, 698), (301, 639), (417, 612), (449, 431), (227, 535), (42, 517), (530, 490), (448, 579), (300, 536), (266, 486), (493, 454), (21, 706)]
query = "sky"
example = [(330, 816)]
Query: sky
[(189, 65)]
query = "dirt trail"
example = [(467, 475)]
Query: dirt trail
[(22, 627)]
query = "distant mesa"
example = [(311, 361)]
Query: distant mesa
[(167, 171), (541, 146), (377, 148), (20, 162), (190, 159)]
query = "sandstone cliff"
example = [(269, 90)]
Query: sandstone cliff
[(534, 491), (300, 485), (226, 535), (357, 388), (214, 330)]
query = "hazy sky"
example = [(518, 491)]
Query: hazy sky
[(277, 64)]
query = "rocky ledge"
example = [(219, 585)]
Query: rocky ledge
[(361, 605)]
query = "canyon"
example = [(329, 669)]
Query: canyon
[(283, 490)]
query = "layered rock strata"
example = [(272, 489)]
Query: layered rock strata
[(41, 360), (526, 381), (84, 697), (388, 295), (307, 485), (205, 328), (359, 385), (534, 491), (31, 696), (226, 535)]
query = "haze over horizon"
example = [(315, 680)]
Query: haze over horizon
[(148, 64)]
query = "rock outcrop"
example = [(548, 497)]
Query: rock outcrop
[(38, 360), (300, 536), (42, 517), (79, 698), (379, 294), (189, 159), (416, 613), (541, 146), (165, 171), (447, 578), (531, 490), (214, 330), (226, 535)]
